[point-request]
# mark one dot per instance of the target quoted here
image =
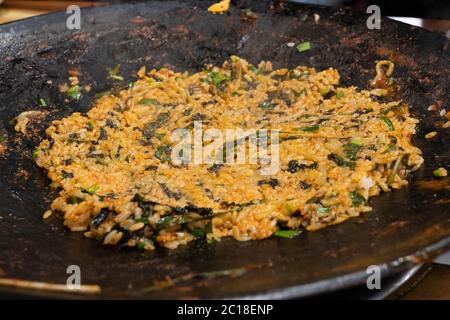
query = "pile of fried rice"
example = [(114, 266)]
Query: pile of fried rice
[(338, 147)]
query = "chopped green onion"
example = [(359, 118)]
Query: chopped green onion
[(160, 136), (341, 161), (216, 78), (357, 142), (197, 233), (352, 148), (253, 68), (74, 92), (310, 128), (388, 123), (147, 101), (265, 105), (3, 138), (439, 173), (304, 46), (74, 200), (324, 91), (35, 153), (391, 177), (143, 243), (357, 198), (144, 220), (161, 153), (289, 207), (339, 95), (114, 71), (89, 126), (323, 211), (120, 78), (288, 234), (42, 102), (90, 190), (163, 223)]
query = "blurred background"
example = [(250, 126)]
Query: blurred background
[(430, 14)]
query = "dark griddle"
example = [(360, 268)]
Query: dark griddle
[(405, 228)]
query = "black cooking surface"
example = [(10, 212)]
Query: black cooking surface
[(405, 227)]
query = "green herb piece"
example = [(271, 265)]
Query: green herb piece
[(304, 46), (3, 138), (357, 198), (265, 105), (114, 73), (164, 222), (74, 92), (341, 161), (132, 84), (161, 136), (35, 153), (147, 101), (323, 211), (339, 95), (42, 102), (89, 126), (310, 128), (254, 69), (208, 228), (120, 78), (161, 153), (74, 200), (90, 190), (197, 233), (66, 175), (216, 78), (144, 220), (391, 177), (324, 91), (391, 147), (388, 123), (287, 234), (143, 243), (352, 148), (357, 142), (439, 173)]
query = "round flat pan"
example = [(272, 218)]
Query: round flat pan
[(405, 228)]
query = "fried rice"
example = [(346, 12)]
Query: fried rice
[(338, 147)]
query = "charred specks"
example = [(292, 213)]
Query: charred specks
[(103, 134), (151, 127), (215, 168), (201, 211), (294, 166), (209, 193), (329, 95), (198, 117), (271, 182), (111, 124), (66, 174), (304, 185), (171, 194), (99, 218), (74, 137)]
